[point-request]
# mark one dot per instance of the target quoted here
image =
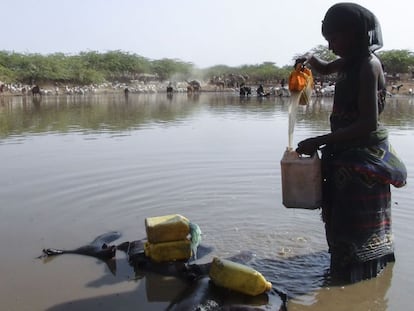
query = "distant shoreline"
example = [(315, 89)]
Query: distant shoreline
[(407, 89)]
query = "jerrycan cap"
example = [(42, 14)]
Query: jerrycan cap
[(268, 286)]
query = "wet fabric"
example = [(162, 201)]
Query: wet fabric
[(343, 17), (372, 155), (357, 175), (356, 210), (376, 162)]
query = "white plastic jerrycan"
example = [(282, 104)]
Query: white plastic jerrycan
[(301, 180)]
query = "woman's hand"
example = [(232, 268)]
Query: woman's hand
[(303, 59), (308, 146)]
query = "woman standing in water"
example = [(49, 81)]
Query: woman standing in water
[(358, 164)]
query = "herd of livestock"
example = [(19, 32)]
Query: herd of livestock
[(150, 87)]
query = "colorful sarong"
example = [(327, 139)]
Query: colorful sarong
[(356, 205)]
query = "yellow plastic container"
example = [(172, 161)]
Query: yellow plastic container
[(168, 251), (238, 277), (167, 228), (301, 180)]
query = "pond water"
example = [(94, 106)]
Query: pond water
[(76, 167)]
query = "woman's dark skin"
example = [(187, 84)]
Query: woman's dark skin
[(371, 77)]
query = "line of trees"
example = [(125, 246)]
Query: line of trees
[(84, 68), (95, 67)]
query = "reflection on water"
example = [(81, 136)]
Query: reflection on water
[(23, 114), (366, 295), (74, 167), (94, 113)]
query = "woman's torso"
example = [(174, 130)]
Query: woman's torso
[(345, 109)]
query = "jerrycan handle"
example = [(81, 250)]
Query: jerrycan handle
[(309, 157)]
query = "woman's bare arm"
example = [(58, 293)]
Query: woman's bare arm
[(367, 107), (324, 67)]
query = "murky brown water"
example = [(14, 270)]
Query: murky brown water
[(75, 167)]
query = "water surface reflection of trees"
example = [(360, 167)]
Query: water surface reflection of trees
[(117, 113)]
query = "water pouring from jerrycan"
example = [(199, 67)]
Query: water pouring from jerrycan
[(301, 175)]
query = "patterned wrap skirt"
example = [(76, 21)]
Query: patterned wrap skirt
[(356, 206)]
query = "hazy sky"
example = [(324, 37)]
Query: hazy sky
[(206, 33)]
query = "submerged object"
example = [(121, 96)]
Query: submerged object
[(238, 277), (301, 180), (98, 248), (200, 294)]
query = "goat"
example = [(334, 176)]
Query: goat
[(396, 87)]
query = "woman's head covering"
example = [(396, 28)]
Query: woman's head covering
[(346, 16)]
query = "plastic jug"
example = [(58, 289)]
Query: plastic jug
[(168, 251), (301, 180), (238, 277), (301, 83), (167, 228)]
